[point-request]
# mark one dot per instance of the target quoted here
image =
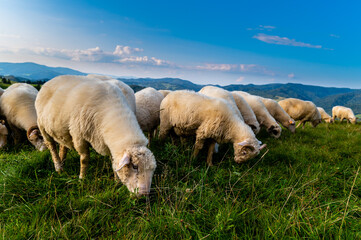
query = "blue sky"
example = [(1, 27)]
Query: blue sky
[(218, 42)]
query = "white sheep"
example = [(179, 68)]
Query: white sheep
[(127, 91), (324, 115), (305, 111), (17, 106), (263, 116), (148, 104), (343, 113), (279, 114), (165, 92), (211, 120), (80, 112)]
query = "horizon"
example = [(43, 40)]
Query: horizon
[(203, 42)]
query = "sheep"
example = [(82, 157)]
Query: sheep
[(263, 116), (127, 91), (279, 114), (79, 112), (324, 115), (211, 120), (305, 111), (343, 113), (148, 104), (17, 106), (164, 92)]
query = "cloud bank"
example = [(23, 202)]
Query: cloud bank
[(283, 41)]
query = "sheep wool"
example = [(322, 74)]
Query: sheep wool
[(324, 115), (79, 112)]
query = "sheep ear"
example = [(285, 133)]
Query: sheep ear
[(124, 161), (244, 143)]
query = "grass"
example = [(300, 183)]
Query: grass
[(305, 185)]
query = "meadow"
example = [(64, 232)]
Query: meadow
[(304, 185)]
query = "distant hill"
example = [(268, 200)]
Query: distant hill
[(163, 83), (33, 71)]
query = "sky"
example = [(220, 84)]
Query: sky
[(206, 42)]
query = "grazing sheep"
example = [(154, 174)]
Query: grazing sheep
[(263, 116), (17, 106), (127, 91), (247, 112), (148, 104), (80, 112), (343, 113), (305, 111), (164, 92), (324, 115), (279, 114), (211, 120)]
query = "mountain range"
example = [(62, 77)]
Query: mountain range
[(325, 97)]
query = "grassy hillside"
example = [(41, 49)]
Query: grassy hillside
[(305, 185)]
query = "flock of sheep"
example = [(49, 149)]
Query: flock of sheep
[(79, 112)]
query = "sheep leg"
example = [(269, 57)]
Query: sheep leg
[(51, 145), (82, 147), (299, 124), (62, 152), (149, 137), (16, 134), (303, 126), (197, 147), (210, 152)]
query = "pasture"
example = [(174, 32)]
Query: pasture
[(303, 185)]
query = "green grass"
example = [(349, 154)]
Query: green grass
[(307, 185)]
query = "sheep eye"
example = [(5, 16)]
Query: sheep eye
[(135, 167)]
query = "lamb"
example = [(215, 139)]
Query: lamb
[(263, 116), (79, 112), (127, 91), (17, 106), (148, 106), (343, 113), (279, 114), (324, 115), (211, 120), (305, 111), (164, 92)]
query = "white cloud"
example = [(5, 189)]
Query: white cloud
[(243, 68), (14, 36), (291, 75), (240, 79), (334, 36), (262, 28), (144, 60), (283, 41), (125, 50)]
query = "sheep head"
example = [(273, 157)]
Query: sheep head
[(135, 169), (353, 120), (275, 130), (255, 128), (35, 137), (316, 122), (246, 150), (3, 134), (291, 125)]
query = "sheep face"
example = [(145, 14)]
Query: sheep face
[(3, 134), (136, 169), (316, 122), (246, 150), (275, 131), (254, 128), (36, 139), (291, 126), (353, 120)]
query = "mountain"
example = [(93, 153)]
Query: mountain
[(33, 71), (163, 83)]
